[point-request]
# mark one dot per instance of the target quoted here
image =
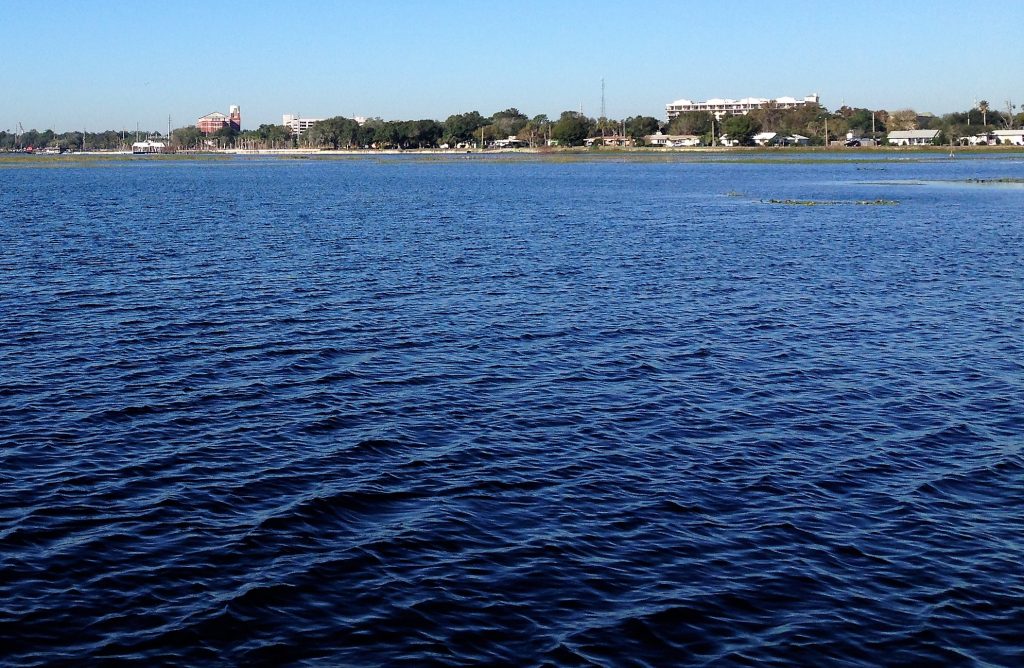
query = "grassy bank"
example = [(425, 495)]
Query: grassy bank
[(756, 155)]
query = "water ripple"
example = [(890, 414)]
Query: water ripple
[(405, 413)]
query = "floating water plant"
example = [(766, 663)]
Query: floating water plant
[(813, 202)]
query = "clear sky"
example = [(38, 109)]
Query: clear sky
[(69, 64)]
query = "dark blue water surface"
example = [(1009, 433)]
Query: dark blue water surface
[(600, 412)]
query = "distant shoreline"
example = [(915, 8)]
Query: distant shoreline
[(755, 152)]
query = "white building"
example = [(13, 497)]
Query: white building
[(298, 125), (775, 139), (148, 146), (912, 137), (671, 141), (511, 142), (611, 140), (727, 107), (1015, 137)]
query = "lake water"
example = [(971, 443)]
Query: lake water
[(404, 411)]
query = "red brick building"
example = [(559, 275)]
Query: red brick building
[(212, 122)]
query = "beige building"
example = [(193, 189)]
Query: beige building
[(727, 107), (298, 125)]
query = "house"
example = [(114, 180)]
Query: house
[(980, 139), (775, 139), (148, 146), (1015, 137), (912, 137), (671, 141), (610, 140), (854, 139), (511, 142)]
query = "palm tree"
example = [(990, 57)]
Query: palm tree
[(983, 108)]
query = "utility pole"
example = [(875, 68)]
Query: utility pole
[(604, 115)]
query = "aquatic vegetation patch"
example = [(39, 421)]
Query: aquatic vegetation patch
[(814, 202), (104, 160), (996, 181)]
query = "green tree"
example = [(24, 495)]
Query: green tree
[(535, 130), (226, 135), (389, 135), (983, 108), (508, 123), (691, 123), (571, 128), (334, 132), (274, 134), (902, 119), (639, 127), (769, 116), (741, 129), (425, 133), (463, 127), (861, 120), (188, 137)]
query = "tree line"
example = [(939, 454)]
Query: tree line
[(111, 140), (570, 128), (467, 129)]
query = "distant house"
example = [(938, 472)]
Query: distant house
[(148, 146), (611, 140), (912, 137), (1015, 137), (775, 139), (672, 141), (511, 142), (980, 139)]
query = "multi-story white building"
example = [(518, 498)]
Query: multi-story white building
[(298, 125), (723, 107)]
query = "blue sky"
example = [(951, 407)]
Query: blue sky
[(109, 65)]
